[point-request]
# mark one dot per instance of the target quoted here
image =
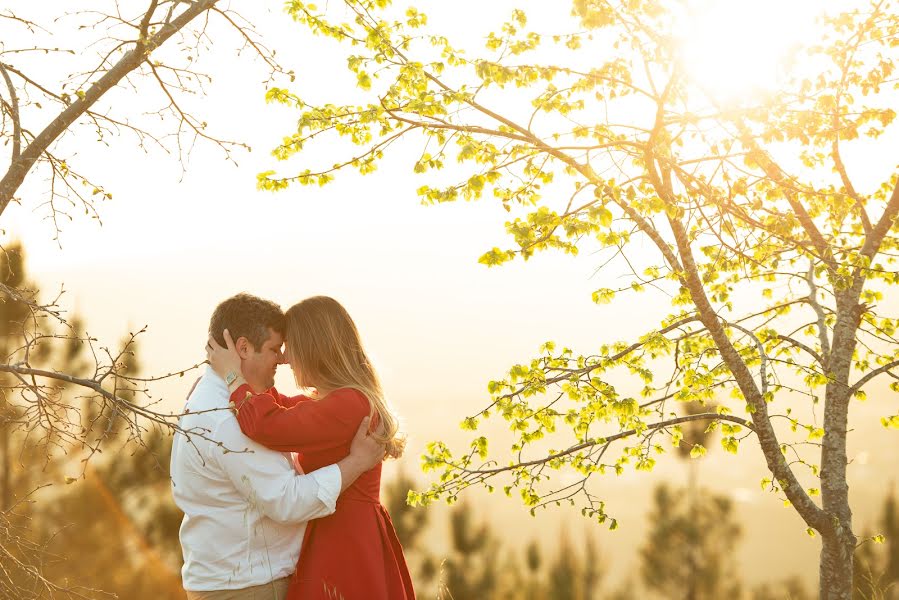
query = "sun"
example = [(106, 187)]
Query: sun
[(738, 48)]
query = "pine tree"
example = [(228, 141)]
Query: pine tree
[(709, 528), (12, 318), (512, 580), (866, 576), (118, 525), (471, 571), (789, 589), (876, 568), (696, 435), (593, 571), (27, 337), (891, 533), (115, 525), (564, 573), (533, 561), (410, 523)]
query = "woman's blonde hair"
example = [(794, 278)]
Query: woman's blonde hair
[(326, 352)]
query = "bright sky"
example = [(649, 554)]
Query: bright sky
[(439, 324)]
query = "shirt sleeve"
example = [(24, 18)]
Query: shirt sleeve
[(306, 426), (267, 480)]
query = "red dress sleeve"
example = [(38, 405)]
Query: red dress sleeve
[(282, 400), (300, 424)]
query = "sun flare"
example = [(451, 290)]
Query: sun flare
[(734, 48)]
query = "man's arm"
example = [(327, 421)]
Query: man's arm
[(268, 481), (365, 453)]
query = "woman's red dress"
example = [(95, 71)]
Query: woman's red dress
[(353, 554)]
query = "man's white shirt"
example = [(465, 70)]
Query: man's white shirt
[(245, 507)]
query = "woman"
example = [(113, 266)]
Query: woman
[(353, 554)]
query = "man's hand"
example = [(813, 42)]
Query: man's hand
[(367, 449), (365, 453)]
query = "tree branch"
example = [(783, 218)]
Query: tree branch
[(608, 440), (822, 321), (14, 115), (15, 175), (871, 375)]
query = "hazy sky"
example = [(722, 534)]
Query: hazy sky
[(439, 325)]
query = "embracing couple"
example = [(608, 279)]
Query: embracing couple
[(259, 522)]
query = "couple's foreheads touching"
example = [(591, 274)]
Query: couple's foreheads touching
[(321, 344)]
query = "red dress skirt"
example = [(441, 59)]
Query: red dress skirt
[(353, 554)]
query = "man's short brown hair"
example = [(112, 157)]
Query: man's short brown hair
[(245, 315)]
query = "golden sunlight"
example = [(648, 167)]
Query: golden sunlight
[(732, 48)]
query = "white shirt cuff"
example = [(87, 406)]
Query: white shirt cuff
[(329, 484)]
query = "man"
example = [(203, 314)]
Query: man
[(245, 507)]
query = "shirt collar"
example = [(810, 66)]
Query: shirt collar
[(212, 378)]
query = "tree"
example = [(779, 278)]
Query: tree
[(564, 572), (790, 589), (575, 572), (695, 437), (770, 251), (703, 529), (17, 483), (533, 560), (473, 569), (690, 546), (875, 568), (594, 571), (512, 581), (890, 523), (117, 527), (470, 571), (12, 315), (125, 47), (410, 524), (89, 530), (867, 582), (129, 59), (125, 52)]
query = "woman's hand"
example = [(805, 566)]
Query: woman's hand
[(295, 459), (223, 360)]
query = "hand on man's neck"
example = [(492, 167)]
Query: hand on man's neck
[(257, 387)]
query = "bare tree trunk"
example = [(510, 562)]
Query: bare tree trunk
[(836, 568), (838, 544)]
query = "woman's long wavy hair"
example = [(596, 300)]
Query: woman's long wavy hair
[(326, 353)]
